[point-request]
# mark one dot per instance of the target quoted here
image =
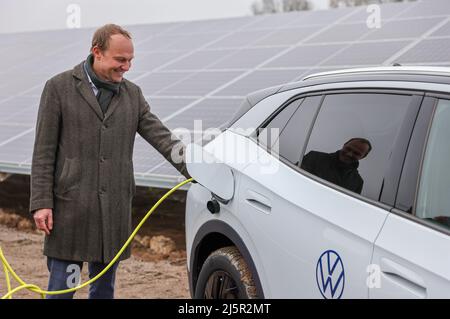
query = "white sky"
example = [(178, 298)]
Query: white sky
[(34, 15)]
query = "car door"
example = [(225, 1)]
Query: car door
[(315, 232), (411, 254)]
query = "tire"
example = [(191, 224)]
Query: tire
[(225, 275)]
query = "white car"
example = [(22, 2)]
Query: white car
[(350, 200)]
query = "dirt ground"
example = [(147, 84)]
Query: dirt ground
[(156, 270)]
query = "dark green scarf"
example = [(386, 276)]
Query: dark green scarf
[(106, 89)]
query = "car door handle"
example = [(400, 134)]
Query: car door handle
[(258, 201), (403, 277)]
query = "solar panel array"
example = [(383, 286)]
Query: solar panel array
[(202, 69)]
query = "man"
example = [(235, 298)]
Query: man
[(341, 167), (82, 181)]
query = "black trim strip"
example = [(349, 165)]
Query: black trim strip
[(393, 171), (409, 177)]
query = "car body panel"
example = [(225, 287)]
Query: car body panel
[(421, 272)]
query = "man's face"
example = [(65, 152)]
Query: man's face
[(111, 64), (353, 151)]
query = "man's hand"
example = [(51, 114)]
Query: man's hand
[(43, 218)]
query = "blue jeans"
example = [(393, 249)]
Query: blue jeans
[(64, 275)]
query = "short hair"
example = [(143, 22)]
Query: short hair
[(103, 34), (362, 140)]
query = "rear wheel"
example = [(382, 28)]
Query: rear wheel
[(225, 275)]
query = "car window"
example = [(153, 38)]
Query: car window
[(292, 138), (353, 138), (433, 200), (270, 133)]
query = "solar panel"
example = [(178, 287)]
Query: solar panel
[(200, 83), (305, 56), (404, 29), (369, 53), (257, 80), (7, 132), (427, 8), (18, 105), (143, 31), (164, 169), (430, 50), (246, 38), (193, 27), (164, 107), (145, 158), (341, 33), (148, 61), (151, 83), (189, 42), (25, 116), (233, 24), (442, 31), (245, 58), (202, 69), (18, 151), (388, 11), (158, 43), (278, 20), (286, 37), (323, 17), (199, 60), (215, 112)]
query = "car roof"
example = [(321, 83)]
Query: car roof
[(399, 70), (426, 74)]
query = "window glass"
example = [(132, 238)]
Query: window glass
[(268, 135), (293, 137), (433, 200), (353, 138)]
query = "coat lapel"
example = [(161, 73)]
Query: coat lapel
[(113, 105), (86, 91)]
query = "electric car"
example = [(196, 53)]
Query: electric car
[(336, 186)]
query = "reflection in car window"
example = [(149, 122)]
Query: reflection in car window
[(353, 138), (433, 201), (340, 167)]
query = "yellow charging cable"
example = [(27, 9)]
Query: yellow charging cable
[(23, 285)]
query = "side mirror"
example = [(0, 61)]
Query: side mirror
[(208, 171)]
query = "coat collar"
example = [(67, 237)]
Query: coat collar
[(84, 88)]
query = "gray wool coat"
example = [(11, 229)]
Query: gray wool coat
[(82, 165)]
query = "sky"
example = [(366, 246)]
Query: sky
[(36, 15)]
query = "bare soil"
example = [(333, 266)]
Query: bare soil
[(147, 274)]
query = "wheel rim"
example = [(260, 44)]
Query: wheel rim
[(221, 285)]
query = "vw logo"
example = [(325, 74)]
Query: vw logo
[(330, 275)]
